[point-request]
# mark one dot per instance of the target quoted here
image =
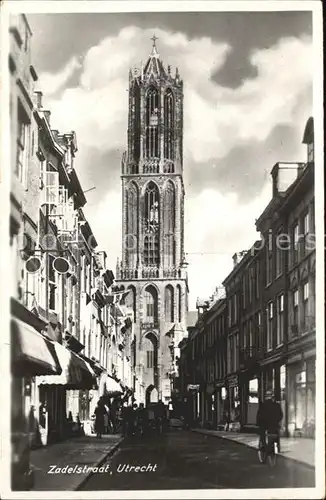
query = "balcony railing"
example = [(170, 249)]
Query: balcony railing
[(171, 272), (150, 272), (128, 274), (149, 325), (151, 166)]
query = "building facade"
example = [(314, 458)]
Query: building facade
[(152, 265), (270, 317), (65, 331)]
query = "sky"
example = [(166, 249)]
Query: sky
[(247, 96)]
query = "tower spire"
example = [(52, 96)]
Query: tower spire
[(154, 48)]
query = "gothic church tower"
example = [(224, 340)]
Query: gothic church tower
[(153, 264)]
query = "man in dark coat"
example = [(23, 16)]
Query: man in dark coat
[(269, 417)]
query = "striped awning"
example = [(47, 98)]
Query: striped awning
[(31, 353), (76, 372)]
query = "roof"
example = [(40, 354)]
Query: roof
[(308, 135), (192, 317), (154, 64)]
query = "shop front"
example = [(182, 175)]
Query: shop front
[(221, 405), (55, 393), (301, 396), (273, 378), (233, 399)]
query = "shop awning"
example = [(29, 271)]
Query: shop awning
[(31, 352), (111, 386), (76, 372)]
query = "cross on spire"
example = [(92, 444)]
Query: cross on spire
[(154, 38)]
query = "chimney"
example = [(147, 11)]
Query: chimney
[(235, 259), (38, 98), (283, 175)]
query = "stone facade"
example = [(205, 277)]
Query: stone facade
[(152, 265)]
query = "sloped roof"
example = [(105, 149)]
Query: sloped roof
[(154, 64), (308, 135)]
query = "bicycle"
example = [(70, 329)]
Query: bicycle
[(267, 452)]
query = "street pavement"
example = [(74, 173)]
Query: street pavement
[(187, 460)]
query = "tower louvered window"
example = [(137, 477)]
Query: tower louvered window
[(168, 125), (169, 225), (178, 301), (152, 118), (136, 123), (151, 223), (169, 304), (132, 225)]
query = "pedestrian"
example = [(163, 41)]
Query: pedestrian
[(269, 417), (141, 419), (100, 411), (134, 415), (160, 416)]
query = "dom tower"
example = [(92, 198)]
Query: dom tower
[(153, 264)]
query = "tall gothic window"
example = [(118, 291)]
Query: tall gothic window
[(136, 105), (169, 304), (151, 223), (168, 125), (152, 117), (132, 225), (179, 306), (169, 225), (150, 311)]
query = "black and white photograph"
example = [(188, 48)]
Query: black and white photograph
[(162, 249)]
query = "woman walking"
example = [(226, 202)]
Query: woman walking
[(100, 411)]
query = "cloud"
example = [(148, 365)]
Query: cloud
[(232, 136), (227, 117), (51, 83), (215, 230)]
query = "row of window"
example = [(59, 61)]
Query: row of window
[(301, 320), (172, 304), (212, 332), (292, 247)]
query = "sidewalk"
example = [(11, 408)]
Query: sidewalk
[(299, 449), (84, 452)]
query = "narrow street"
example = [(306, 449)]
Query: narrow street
[(185, 460)]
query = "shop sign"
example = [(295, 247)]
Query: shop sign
[(193, 387)]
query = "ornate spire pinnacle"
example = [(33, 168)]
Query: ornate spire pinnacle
[(154, 48)]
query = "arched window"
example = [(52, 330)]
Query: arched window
[(168, 125), (136, 123), (151, 223), (169, 225), (150, 312), (169, 304), (132, 225), (152, 119), (131, 300), (150, 347), (179, 305)]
